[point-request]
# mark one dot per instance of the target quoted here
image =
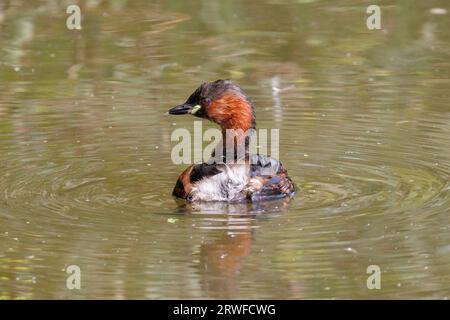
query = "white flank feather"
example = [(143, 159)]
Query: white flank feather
[(224, 186)]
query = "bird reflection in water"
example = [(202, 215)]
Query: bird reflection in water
[(222, 260)]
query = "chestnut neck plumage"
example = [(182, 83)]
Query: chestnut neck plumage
[(234, 113)]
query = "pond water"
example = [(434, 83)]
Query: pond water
[(86, 174)]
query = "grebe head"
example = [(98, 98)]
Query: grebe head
[(222, 102)]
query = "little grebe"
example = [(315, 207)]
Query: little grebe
[(257, 177)]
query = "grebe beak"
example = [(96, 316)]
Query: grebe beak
[(185, 108)]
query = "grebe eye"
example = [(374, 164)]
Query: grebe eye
[(206, 101)]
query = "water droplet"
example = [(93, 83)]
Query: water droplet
[(351, 250)]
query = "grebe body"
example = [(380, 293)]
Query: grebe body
[(251, 177)]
